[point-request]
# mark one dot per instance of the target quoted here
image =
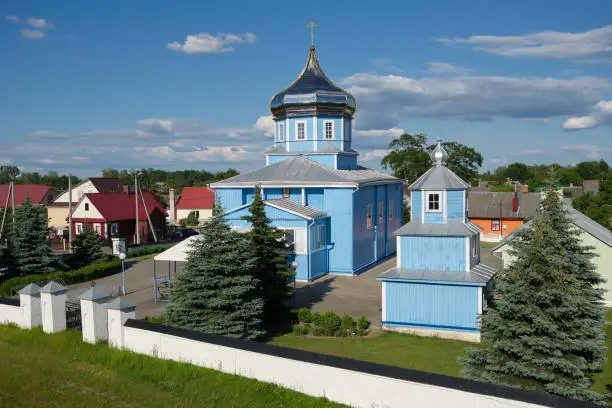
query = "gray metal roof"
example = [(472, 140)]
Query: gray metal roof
[(487, 204), (32, 289), (479, 274), (439, 178), (121, 303), (293, 206), (300, 170), (326, 149), (53, 288), (95, 293), (454, 228)]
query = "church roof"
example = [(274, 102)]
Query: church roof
[(293, 206), (312, 92), (299, 170), (439, 177), (454, 228), (478, 274)]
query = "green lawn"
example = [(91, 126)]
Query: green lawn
[(488, 245), (60, 371)]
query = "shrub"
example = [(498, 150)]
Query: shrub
[(331, 323), (300, 330), (363, 323), (151, 249), (317, 319), (319, 331), (347, 322), (305, 315), (183, 222)]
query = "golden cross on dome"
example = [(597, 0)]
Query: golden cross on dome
[(312, 26)]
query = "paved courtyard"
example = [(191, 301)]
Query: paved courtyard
[(354, 295)]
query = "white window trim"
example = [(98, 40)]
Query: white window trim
[(77, 226), (297, 123), (302, 233), (281, 132), (440, 205), (97, 228), (333, 133)]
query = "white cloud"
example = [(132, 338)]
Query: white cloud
[(157, 125), (12, 18), (39, 23), (592, 152), (208, 43), (386, 100), (265, 124), (198, 154), (386, 64), (600, 114), (588, 45), (532, 151), (445, 68), (393, 132), (375, 155), (32, 34)]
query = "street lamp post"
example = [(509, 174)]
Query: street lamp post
[(122, 257)]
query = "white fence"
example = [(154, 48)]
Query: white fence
[(350, 382)]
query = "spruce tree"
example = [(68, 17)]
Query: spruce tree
[(544, 328), (30, 240), (216, 292), (87, 248), (272, 268)]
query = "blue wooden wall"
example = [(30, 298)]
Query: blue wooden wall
[(416, 206), (279, 218), (347, 162), (438, 253), (434, 217), (446, 307), (454, 205), (338, 204), (314, 198)]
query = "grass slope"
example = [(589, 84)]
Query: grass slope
[(61, 371)]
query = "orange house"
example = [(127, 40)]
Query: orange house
[(498, 214)]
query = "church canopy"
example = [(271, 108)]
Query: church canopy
[(178, 252)]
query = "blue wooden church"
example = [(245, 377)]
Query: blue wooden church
[(338, 217), (438, 286)]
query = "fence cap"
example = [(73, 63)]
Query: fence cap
[(32, 289), (53, 288), (122, 304), (94, 293)]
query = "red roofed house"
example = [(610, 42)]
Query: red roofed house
[(114, 215), (199, 200), (38, 194)]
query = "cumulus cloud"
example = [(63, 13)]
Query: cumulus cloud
[(393, 132), (12, 18), (208, 43), (587, 45), (600, 114), (265, 124), (445, 68), (32, 34), (39, 23), (386, 100), (375, 155), (591, 152)]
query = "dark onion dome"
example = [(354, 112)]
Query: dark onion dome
[(312, 93)]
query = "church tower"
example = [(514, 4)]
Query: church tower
[(312, 118)]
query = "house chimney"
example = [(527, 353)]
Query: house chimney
[(171, 203), (515, 203)]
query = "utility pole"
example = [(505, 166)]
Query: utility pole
[(69, 213), (13, 206), (136, 198)]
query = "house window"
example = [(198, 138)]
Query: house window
[(433, 202), (319, 238), (281, 132), (86, 206), (79, 228), (390, 210), (114, 229), (495, 225), (196, 214), (300, 130), (329, 129), (369, 217), (97, 228), (380, 212), (286, 193), (289, 239)]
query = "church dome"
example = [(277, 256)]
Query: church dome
[(439, 156), (311, 93)]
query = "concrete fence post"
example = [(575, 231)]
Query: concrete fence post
[(119, 310), (53, 302), (93, 315), (29, 299)]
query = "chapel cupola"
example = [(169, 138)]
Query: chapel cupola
[(439, 156)]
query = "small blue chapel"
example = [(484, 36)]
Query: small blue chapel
[(438, 287), (338, 217)]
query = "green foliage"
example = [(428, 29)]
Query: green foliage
[(545, 327), (271, 269), (216, 292), (148, 250), (10, 286), (331, 322), (409, 158), (348, 322), (363, 323), (301, 330), (30, 240), (191, 219), (317, 319), (8, 174), (87, 248), (508, 188), (305, 315)]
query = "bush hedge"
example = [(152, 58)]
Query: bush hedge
[(329, 324)]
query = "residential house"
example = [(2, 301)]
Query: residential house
[(197, 200), (37, 193), (114, 215), (592, 234), (58, 209), (500, 213)]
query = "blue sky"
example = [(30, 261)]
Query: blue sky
[(88, 85)]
